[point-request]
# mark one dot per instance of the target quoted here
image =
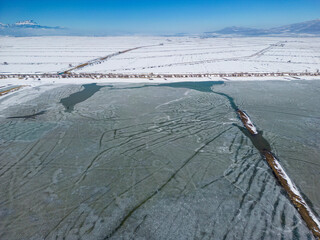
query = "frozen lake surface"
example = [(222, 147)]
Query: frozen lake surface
[(148, 161)]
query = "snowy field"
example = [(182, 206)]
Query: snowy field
[(159, 54), (54, 54)]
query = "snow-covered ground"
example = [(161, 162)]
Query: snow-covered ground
[(54, 54), (160, 54)]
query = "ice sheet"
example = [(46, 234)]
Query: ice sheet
[(155, 162)]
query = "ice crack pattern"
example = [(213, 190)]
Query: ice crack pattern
[(168, 161)]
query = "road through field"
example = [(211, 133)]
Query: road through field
[(101, 59), (211, 60)]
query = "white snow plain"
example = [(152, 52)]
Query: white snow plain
[(160, 54)]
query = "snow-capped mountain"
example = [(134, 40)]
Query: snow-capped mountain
[(240, 30), (3, 25), (304, 28), (29, 28), (310, 27), (26, 23)]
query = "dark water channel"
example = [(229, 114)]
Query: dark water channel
[(257, 140), (32, 116), (78, 97)]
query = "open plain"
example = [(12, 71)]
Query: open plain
[(181, 55)]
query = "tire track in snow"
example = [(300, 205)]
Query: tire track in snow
[(102, 59)]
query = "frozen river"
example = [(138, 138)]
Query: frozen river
[(167, 161)]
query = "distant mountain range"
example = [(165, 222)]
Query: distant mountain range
[(29, 28), (304, 28)]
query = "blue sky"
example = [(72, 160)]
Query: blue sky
[(142, 16)]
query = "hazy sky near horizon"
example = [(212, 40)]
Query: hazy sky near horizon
[(143, 16)]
